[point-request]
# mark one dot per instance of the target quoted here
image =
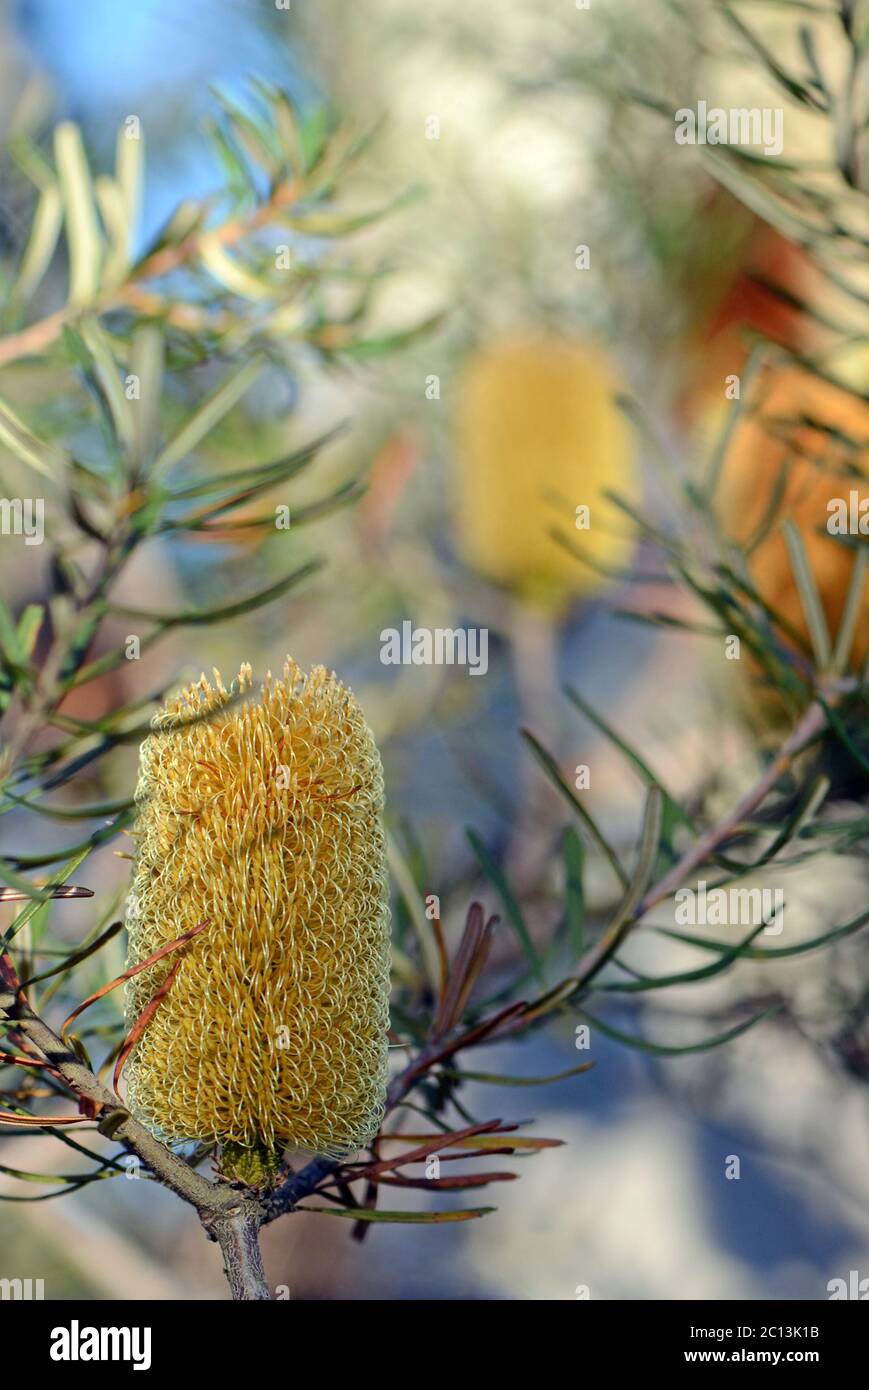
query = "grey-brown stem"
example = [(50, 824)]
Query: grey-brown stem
[(237, 1233), (231, 1218)]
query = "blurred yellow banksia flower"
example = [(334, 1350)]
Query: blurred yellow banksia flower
[(263, 816), (540, 433)]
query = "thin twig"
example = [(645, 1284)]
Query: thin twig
[(237, 1232), (34, 339), (811, 724)]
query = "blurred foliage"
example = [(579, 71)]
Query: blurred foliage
[(216, 276)]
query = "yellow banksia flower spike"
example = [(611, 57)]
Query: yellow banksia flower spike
[(263, 816), (540, 433)]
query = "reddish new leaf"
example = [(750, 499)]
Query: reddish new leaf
[(135, 970), (141, 1024), (464, 1180), (431, 1145)]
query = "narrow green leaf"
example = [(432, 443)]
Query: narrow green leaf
[(741, 580), (185, 221), (28, 629), (661, 1050), (809, 596), (408, 1218), (10, 643), (553, 771), (759, 199), (231, 272), (76, 957), (39, 895), (13, 658), (209, 414), (514, 912), (403, 878), (769, 952), (783, 79), (146, 364), (285, 122), (82, 229), (107, 370), (364, 348), (49, 1179), (46, 1196), (201, 617), (630, 908), (262, 475), (343, 496), (328, 223), (41, 244), (98, 811), (495, 1079), (806, 809), (31, 161), (129, 168), (109, 661), (22, 442), (257, 139), (579, 553), (656, 619), (756, 359), (239, 184), (678, 815), (842, 733), (684, 977), (853, 611), (573, 851), (315, 129), (63, 1136), (113, 212), (95, 938), (647, 854), (99, 837)]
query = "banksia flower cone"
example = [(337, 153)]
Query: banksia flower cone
[(717, 343), (808, 446), (265, 818), (539, 434)]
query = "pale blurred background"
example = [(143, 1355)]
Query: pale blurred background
[(509, 118)]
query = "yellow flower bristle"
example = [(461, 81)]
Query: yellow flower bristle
[(265, 817)]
